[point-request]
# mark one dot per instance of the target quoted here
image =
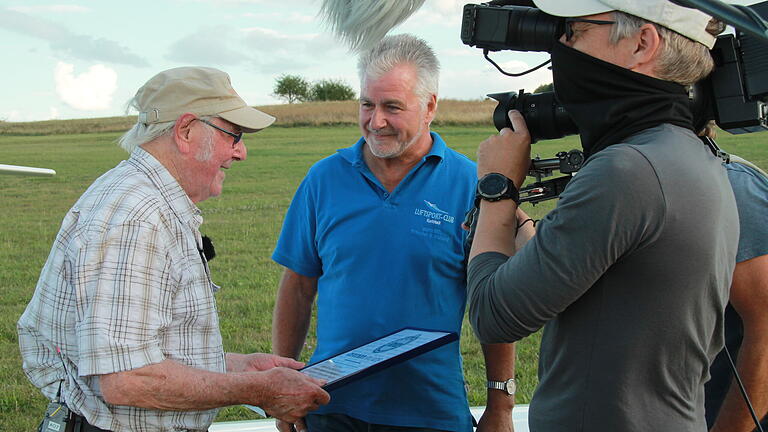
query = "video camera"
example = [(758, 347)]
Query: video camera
[(735, 95)]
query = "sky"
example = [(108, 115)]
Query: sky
[(87, 58)]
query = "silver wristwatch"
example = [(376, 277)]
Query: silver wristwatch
[(507, 386)]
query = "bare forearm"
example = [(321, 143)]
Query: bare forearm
[(288, 338), (172, 386), (508, 154), (525, 229), (496, 228), (499, 366), (749, 297), (292, 315), (752, 365)]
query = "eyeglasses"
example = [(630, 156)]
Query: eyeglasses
[(569, 25), (236, 137)]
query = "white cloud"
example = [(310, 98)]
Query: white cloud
[(278, 52), (53, 113), (12, 116), (475, 83), (63, 40), (298, 18), (246, 3), (464, 51), (269, 36), (205, 46), (91, 90), (58, 8), (445, 8), (309, 46), (293, 18), (228, 2), (260, 49), (444, 13)]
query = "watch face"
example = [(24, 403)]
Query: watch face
[(492, 185), (511, 386)]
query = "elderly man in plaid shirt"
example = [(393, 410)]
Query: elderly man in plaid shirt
[(122, 327)]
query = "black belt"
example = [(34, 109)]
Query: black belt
[(78, 423)]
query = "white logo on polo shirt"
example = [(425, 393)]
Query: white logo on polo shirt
[(434, 214)]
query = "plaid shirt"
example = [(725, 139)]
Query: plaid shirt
[(123, 287)]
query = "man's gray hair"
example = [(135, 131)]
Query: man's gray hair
[(681, 60), (141, 133), (362, 23), (402, 49)]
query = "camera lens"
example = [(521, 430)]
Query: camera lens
[(545, 118), (518, 28), (531, 29)]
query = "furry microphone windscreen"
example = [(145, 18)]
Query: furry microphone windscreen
[(363, 23)]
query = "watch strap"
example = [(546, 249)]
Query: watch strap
[(511, 193), (509, 386)]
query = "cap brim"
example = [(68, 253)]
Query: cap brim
[(249, 119), (572, 8)]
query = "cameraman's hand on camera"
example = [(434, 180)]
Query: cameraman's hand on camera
[(507, 153)]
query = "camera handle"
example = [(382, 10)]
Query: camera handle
[(544, 190), (566, 162), (569, 162)]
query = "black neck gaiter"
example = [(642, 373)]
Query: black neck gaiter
[(609, 103)]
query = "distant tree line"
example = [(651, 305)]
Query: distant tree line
[(294, 88)]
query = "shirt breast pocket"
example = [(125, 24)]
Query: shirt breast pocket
[(195, 303)]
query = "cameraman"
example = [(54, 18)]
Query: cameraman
[(631, 271)]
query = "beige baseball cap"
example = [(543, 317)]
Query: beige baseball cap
[(200, 90), (688, 22)]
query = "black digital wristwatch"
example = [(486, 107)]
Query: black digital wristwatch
[(496, 187)]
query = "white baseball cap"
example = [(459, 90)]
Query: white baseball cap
[(686, 21), (200, 90)]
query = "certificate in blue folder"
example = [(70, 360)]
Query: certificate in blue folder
[(377, 355)]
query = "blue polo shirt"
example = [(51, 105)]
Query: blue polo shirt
[(386, 261)]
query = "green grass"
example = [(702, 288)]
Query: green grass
[(244, 222)]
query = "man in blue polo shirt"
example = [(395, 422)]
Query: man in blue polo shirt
[(374, 231)]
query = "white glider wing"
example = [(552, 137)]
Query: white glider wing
[(26, 171)]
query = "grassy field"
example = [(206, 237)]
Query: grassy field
[(450, 112), (244, 222)]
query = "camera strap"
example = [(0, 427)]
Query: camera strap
[(712, 145), (730, 158)]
